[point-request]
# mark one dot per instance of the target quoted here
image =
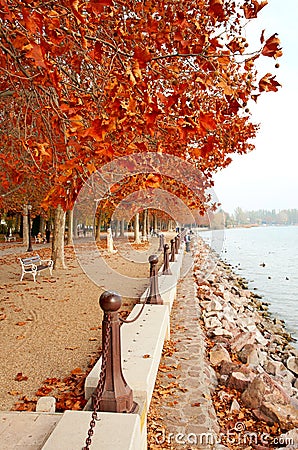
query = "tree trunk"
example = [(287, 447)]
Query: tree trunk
[(117, 228), (42, 225), (58, 239), (70, 228), (25, 226), (144, 228), (75, 228), (97, 227), (136, 229), (148, 225), (155, 226), (122, 227)]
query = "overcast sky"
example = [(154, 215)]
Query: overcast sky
[(267, 177)]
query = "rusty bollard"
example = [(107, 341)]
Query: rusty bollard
[(176, 244), (179, 241), (154, 297), (161, 242), (117, 395), (166, 266), (172, 257)]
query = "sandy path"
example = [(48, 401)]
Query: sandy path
[(51, 327)]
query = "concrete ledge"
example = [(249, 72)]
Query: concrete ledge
[(26, 430), (142, 343), (113, 431)]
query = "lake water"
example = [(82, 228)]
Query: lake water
[(267, 257)]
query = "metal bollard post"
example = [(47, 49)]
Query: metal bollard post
[(154, 297), (117, 396), (172, 257), (161, 242), (166, 266), (176, 245)]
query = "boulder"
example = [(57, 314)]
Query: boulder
[(219, 331), (212, 322), (290, 439), (214, 305), (230, 313), (285, 415), (270, 402), (239, 341), (218, 354), (292, 364), (260, 337), (246, 351), (217, 314), (227, 367), (238, 381), (274, 367), (264, 388), (228, 325)]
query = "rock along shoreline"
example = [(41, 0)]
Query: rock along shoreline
[(249, 350)]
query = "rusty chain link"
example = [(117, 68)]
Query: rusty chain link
[(137, 316), (100, 385)]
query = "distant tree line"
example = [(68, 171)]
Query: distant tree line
[(221, 219), (262, 217)]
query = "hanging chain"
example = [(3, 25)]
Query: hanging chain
[(137, 316), (100, 385)]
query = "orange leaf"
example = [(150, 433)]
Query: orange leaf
[(207, 121), (142, 56), (43, 391), (76, 371), (14, 392), (216, 9), (35, 53), (20, 377), (268, 83), (251, 10), (272, 47)]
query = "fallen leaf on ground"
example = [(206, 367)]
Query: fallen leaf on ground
[(14, 392), (76, 371), (43, 391), (20, 377)]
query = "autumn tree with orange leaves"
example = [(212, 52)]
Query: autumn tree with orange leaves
[(82, 83)]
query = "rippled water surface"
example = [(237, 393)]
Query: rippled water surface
[(268, 258)]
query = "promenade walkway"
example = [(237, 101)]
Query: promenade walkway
[(181, 413)]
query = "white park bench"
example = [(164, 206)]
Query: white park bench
[(34, 265), (10, 238)]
